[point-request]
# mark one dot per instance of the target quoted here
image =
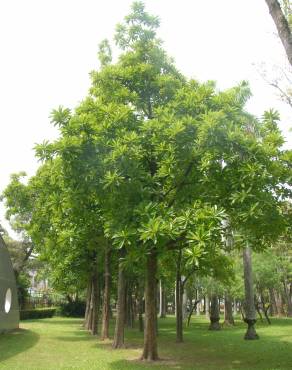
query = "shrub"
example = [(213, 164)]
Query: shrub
[(37, 313), (72, 309)]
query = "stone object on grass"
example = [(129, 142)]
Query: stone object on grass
[(9, 309)]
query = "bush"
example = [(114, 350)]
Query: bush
[(72, 309), (37, 313)]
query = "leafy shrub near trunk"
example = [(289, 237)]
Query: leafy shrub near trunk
[(72, 309), (37, 313)]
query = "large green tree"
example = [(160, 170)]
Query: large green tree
[(150, 163)]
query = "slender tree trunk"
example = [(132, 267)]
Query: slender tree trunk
[(250, 316), (179, 299), (129, 307), (282, 26), (199, 302), (162, 310), (95, 302), (265, 307), (198, 308), (290, 291), (258, 310), (273, 307), (106, 296), (228, 315), (279, 303), (192, 308), (120, 319), (140, 310), (88, 300), (150, 335), (288, 298), (207, 305), (234, 307), (90, 312), (215, 313)]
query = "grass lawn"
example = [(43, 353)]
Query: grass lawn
[(61, 343)]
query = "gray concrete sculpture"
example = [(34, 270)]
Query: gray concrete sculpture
[(9, 310)]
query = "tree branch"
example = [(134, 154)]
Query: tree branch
[(194, 269), (181, 184), (28, 253)]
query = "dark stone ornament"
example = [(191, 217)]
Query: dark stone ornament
[(251, 333)]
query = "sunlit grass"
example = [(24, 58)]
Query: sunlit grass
[(61, 343)]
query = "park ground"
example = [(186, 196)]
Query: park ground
[(61, 343)]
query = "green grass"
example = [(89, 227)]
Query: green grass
[(61, 343)]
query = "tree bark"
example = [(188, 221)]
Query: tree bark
[(234, 307), (162, 308), (288, 298), (279, 303), (273, 307), (282, 26), (198, 306), (184, 302), (192, 308), (106, 297), (207, 305), (228, 314), (120, 319), (250, 316), (88, 300), (150, 335), (265, 306), (95, 303), (179, 301), (140, 310), (215, 313), (129, 320)]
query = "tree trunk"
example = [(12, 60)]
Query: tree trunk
[(88, 300), (140, 310), (179, 301), (106, 297), (129, 307), (279, 303), (282, 26), (288, 298), (198, 308), (95, 303), (250, 316), (192, 308), (273, 307), (150, 336), (120, 319), (215, 313), (207, 306), (234, 307), (228, 315), (199, 302), (162, 308), (265, 306)]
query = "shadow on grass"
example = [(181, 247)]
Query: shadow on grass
[(78, 336), (56, 321), (225, 349), (15, 342), (137, 364)]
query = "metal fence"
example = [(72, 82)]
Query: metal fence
[(43, 299)]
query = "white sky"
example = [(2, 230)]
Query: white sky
[(48, 47)]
